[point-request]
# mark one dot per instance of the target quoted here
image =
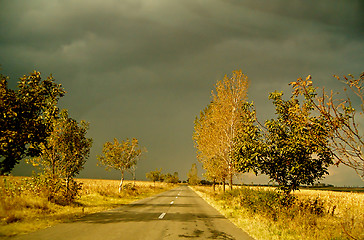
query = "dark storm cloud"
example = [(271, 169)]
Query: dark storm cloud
[(146, 68)]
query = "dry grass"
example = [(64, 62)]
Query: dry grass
[(315, 214), (344, 212), (24, 210)]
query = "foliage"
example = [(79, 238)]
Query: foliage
[(208, 152), (216, 128), (248, 145), (121, 156), (64, 155), (295, 149), (157, 175), (26, 117), (169, 178), (192, 175), (347, 143), (154, 175)]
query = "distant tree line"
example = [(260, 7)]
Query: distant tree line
[(158, 176), (310, 133)]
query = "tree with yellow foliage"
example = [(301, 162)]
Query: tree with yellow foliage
[(218, 124), (121, 156)]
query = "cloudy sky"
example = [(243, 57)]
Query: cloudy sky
[(145, 68)]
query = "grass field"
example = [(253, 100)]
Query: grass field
[(314, 214), (23, 210)]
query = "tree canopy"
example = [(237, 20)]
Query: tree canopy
[(217, 126), (342, 116), (120, 156), (64, 153), (192, 175), (26, 117), (295, 149), (292, 149), (154, 175)]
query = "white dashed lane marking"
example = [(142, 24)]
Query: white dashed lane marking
[(163, 214)]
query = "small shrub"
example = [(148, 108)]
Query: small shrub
[(129, 187), (313, 206), (56, 190), (12, 218)]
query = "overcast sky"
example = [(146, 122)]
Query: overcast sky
[(145, 68)]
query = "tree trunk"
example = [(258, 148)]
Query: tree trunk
[(223, 185), (134, 177), (231, 181), (121, 181), (213, 184)]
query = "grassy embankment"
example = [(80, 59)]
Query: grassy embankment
[(314, 214), (23, 210)]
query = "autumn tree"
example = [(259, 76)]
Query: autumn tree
[(64, 154), (121, 156), (73, 145), (175, 176), (342, 116), (216, 171), (295, 150), (154, 175), (209, 151), (26, 115), (169, 178), (218, 124), (192, 175)]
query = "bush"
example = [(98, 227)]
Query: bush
[(271, 204), (55, 190)]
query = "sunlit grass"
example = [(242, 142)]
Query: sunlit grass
[(315, 214), (22, 210)]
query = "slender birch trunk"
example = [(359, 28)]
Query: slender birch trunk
[(121, 181), (231, 181)]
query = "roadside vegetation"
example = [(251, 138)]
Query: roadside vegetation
[(24, 207), (157, 175), (313, 129), (33, 128), (121, 156), (309, 214)]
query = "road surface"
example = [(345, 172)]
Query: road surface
[(176, 214)]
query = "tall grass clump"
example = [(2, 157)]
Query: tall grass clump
[(308, 214)]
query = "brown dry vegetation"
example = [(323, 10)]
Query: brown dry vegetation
[(25, 208), (314, 214)]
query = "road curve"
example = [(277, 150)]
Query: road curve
[(176, 214)]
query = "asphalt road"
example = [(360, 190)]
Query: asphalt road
[(176, 214)]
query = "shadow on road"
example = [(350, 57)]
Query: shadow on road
[(160, 205), (134, 216)]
